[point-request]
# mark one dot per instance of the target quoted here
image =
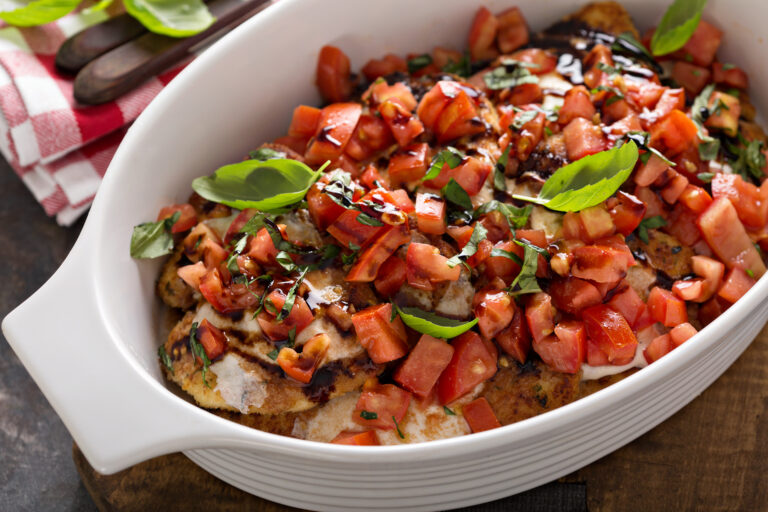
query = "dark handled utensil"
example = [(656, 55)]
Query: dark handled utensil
[(130, 64)]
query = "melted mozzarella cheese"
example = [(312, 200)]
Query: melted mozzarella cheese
[(238, 388), (457, 299), (548, 221)]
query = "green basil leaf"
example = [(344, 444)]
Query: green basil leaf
[(285, 261), (462, 68), (540, 250), (198, 350), (255, 223), (496, 252), (100, 6), (677, 26), (175, 18), (709, 149), (367, 220), (516, 217), (165, 358), (153, 239), (397, 427), (236, 251), (499, 182), (432, 324), (478, 235), (291, 297), (448, 412), (264, 154), (512, 74), (450, 156), (706, 177), (654, 222), (419, 62), (521, 118), (526, 280), (273, 354), (27, 14), (643, 141), (266, 186), (367, 415), (455, 194), (588, 181)]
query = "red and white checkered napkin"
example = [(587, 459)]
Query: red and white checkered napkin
[(60, 149)]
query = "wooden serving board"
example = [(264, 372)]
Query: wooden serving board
[(712, 455)]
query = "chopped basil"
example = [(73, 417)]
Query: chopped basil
[(198, 351), (700, 111), (366, 220), (479, 233), (450, 156), (455, 193), (540, 250), (643, 141), (285, 261), (340, 191), (269, 306), (547, 131), (526, 280), (750, 160), (588, 181), (496, 252), (709, 150), (165, 358), (654, 222), (499, 182), (516, 217), (419, 62), (608, 69), (510, 74), (438, 326), (264, 154), (728, 66), (397, 428), (462, 68), (448, 412), (153, 239), (749, 272), (348, 259), (265, 185), (677, 26), (291, 297), (706, 177), (523, 117), (273, 354), (613, 99), (367, 415), (267, 280), (236, 251)]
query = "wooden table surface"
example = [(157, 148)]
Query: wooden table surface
[(712, 455)]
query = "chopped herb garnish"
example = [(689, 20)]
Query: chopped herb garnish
[(654, 222), (728, 66), (367, 415), (700, 111), (706, 177), (273, 354), (540, 250), (448, 412), (397, 428), (198, 351), (450, 156), (458, 203), (264, 154), (165, 358), (611, 100), (526, 282), (430, 323), (750, 160), (462, 68), (496, 252), (153, 239), (291, 297), (516, 217), (750, 273), (547, 131), (479, 233), (499, 182), (367, 220), (510, 74), (236, 251), (523, 117), (348, 259), (419, 62)]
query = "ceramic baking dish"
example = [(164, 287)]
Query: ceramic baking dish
[(89, 336)]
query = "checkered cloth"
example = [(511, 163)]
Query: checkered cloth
[(60, 149)]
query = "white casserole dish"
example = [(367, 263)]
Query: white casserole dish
[(89, 336)]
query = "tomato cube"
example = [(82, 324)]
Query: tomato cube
[(333, 77), (682, 333), (424, 365), (566, 350), (302, 366), (494, 310), (384, 339), (299, 317), (673, 134), (577, 103), (572, 294), (425, 266), (725, 111), (334, 130), (658, 348), (214, 341), (610, 330), (482, 35), (730, 75), (583, 138), (391, 63), (473, 362), (403, 125), (480, 416), (513, 31), (692, 78), (703, 43), (367, 438), (409, 164), (192, 274), (187, 216), (515, 339), (304, 122), (540, 316), (391, 276), (430, 214), (370, 260), (666, 308), (627, 212), (381, 405), (459, 118), (711, 271), (736, 284)]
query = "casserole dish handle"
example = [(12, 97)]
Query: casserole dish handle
[(116, 412)]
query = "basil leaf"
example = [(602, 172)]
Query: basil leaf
[(236, 251), (511, 74), (153, 239), (462, 68), (677, 26), (27, 14), (588, 181), (273, 354), (750, 160), (266, 186), (478, 235), (706, 177), (367, 415), (397, 427), (255, 224), (613, 99), (710, 149), (165, 358), (448, 412), (432, 324), (450, 156), (197, 350), (540, 250), (526, 279), (367, 220), (499, 183), (291, 297), (496, 252), (285, 261), (419, 62), (516, 217), (455, 193), (175, 18), (654, 222), (264, 154), (643, 141), (521, 118)]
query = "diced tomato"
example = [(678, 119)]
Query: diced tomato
[(435, 100), (751, 202), (644, 94), (674, 188), (299, 317), (334, 130), (470, 174), (598, 54), (692, 78), (578, 103), (725, 111), (573, 295), (736, 284), (482, 35), (382, 338), (673, 134), (631, 307), (226, 300), (711, 271), (371, 178), (682, 333), (610, 330), (425, 266), (627, 212), (703, 44), (380, 92), (597, 222), (384, 404), (690, 290), (566, 350), (525, 94), (424, 365), (480, 416), (213, 340), (297, 144), (391, 63), (192, 274), (540, 316), (367, 438), (402, 201), (617, 110), (408, 164), (473, 362), (441, 57), (501, 266), (711, 309), (725, 234), (302, 366), (666, 308), (653, 204), (371, 259), (658, 348), (304, 121), (458, 119), (430, 214), (730, 75), (347, 230), (494, 310), (528, 136), (542, 61), (323, 209), (403, 125), (496, 226), (573, 229), (371, 136), (671, 99), (601, 263), (515, 340), (648, 172), (513, 31), (213, 254), (391, 276), (595, 356), (333, 78), (187, 216), (583, 138), (695, 198)]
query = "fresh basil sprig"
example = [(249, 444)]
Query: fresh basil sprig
[(588, 181), (153, 239), (478, 235), (677, 26), (175, 18), (450, 156), (265, 185), (438, 326)]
